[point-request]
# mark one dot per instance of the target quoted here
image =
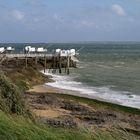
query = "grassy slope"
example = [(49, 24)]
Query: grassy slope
[(25, 78), (19, 128)]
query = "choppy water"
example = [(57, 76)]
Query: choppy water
[(109, 71)]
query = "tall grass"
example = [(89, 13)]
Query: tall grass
[(19, 128)]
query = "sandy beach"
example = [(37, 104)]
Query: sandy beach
[(38, 89), (44, 89), (49, 89)]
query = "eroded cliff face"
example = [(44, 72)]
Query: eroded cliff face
[(23, 77)]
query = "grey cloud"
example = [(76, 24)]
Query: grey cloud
[(35, 3), (3, 6)]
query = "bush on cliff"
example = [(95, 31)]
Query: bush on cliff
[(10, 98)]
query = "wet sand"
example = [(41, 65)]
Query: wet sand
[(44, 89), (49, 89)]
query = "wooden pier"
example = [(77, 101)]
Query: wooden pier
[(57, 62), (49, 56)]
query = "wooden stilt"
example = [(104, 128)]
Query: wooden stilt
[(26, 61), (6, 61), (36, 60), (53, 71), (45, 63), (65, 65), (54, 64), (17, 61), (60, 64), (68, 64)]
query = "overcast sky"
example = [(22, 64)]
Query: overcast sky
[(69, 20)]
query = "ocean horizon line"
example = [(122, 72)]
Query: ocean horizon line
[(75, 42)]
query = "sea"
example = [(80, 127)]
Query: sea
[(108, 71)]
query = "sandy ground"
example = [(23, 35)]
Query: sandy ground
[(49, 89), (50, 112), (45, 89)]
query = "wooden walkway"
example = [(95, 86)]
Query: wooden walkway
[(28, 55), (48, 56)]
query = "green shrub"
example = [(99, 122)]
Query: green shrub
[(10, 97)]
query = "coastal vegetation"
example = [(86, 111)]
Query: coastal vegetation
[(17, 127), (72, 118), (10, 98)]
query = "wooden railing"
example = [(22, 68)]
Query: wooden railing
[(28, 55)]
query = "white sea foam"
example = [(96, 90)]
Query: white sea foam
[(101, 93)]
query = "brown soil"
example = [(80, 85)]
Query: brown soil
[(50, 113), (42, 89), (57, 111)]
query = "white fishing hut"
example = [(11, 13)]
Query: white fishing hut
[(41, 50), (9, 49), (2, 50), (65, 53), (29, 49)]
